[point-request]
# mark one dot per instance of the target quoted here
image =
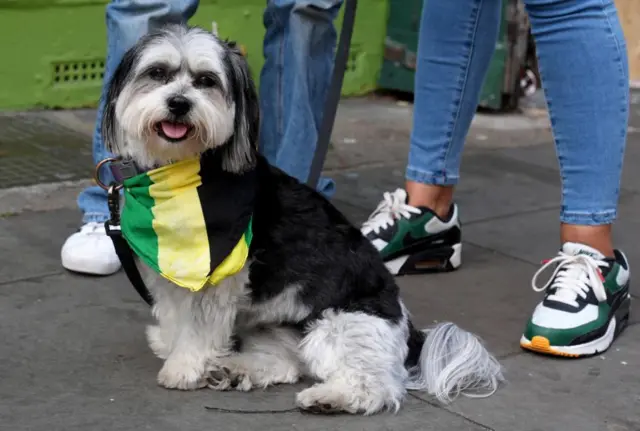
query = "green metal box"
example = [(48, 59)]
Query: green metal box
[(54, 50), (501, 87)]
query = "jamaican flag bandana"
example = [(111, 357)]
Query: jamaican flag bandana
[(190, 221)]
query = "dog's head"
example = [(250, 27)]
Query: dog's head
[(177, 93)]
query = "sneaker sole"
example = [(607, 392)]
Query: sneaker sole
[(443, 259), (539, 344), (87, 268)]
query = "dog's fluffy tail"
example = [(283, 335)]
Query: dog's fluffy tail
[(454, 362)]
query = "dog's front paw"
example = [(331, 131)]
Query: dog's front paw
[(222, 379), (181, 375)]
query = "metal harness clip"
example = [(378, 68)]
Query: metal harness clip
[(96, 175)]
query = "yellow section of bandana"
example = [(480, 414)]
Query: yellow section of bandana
[(233, 263), (178, 220)]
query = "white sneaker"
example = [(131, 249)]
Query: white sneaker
[(90, 251)]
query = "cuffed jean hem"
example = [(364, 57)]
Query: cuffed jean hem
[(588, 218), (94, 218), (431, 178)]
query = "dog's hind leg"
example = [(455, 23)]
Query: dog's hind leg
[(359, 359), (267, 356)]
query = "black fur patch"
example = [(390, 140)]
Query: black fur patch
[(302, 239)]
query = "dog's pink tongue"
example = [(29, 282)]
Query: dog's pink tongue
[(174, 130)]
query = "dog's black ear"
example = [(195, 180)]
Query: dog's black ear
[(110, 131), (242, 147)]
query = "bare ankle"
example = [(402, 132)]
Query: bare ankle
[(598, 237), (436, 198)]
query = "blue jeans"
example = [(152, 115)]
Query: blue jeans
[(583, 63), (299, 50)]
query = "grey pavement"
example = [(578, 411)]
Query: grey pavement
[(74, 356)]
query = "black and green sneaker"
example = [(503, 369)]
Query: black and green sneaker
[(414, 240), (586, 303)]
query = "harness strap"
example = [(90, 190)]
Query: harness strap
[(124, 252)]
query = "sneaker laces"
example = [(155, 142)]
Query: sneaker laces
[(392, 207), (572, 278)]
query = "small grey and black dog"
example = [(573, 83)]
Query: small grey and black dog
[(315, 299)]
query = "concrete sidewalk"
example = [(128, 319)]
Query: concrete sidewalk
[(74, 356)]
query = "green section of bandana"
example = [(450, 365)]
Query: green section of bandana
[(248, 234), (137, 218)]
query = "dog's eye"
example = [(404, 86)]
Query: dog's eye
[(158, 74), (205, 81)]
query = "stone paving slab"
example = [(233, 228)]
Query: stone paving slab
[(36, 148), (42, 197), (30, 243)]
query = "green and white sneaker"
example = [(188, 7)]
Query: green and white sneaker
[(414, 240), (586, 303)]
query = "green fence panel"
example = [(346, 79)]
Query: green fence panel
[(54, 50), (399, 59)]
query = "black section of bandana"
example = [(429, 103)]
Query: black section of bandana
[(227, 202)]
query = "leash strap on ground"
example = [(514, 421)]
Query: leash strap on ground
[(333, 96)]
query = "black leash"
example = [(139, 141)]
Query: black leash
[(333, 96)]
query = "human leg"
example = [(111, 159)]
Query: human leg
[(589, 127), (299, 47), (90, 250), (421, 232), (586, 302)]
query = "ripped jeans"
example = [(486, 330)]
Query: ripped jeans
[(299, 48)]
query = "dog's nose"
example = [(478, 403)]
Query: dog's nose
[(178, 105)]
